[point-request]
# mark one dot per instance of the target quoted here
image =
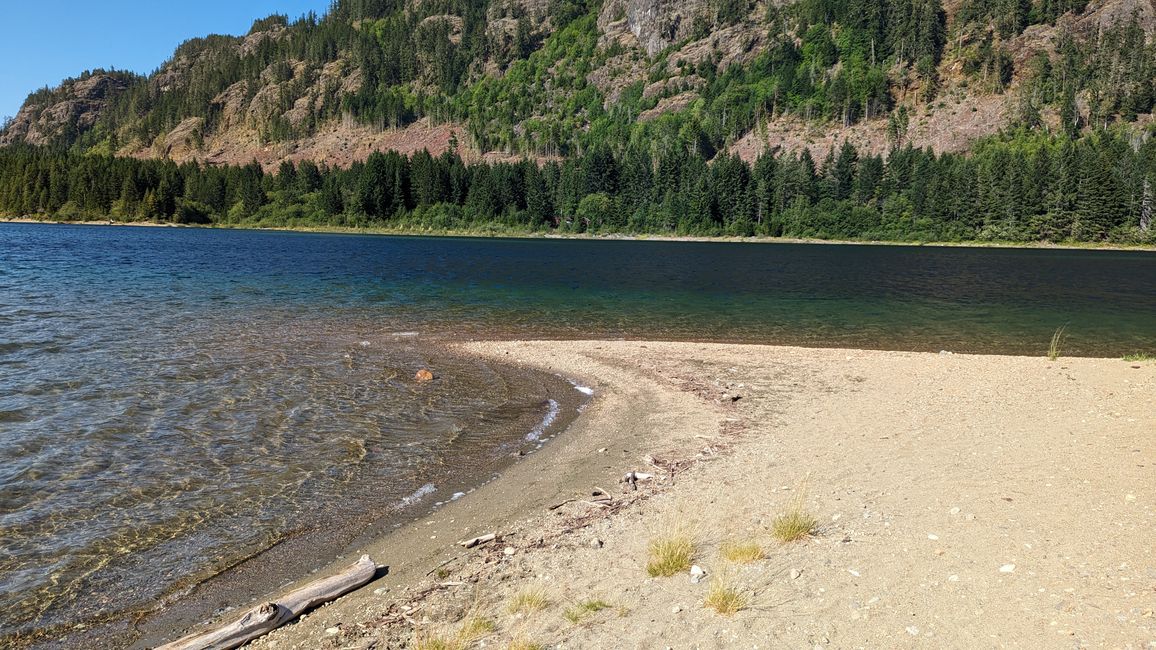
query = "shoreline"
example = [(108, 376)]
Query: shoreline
[(314, 541), (501, 234), (930, 476)]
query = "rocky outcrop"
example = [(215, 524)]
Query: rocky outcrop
[(76, 105), (1102, 14), (181, 142), (656, 24)]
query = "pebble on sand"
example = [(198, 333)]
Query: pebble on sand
[(1007, 568), (697, 574)]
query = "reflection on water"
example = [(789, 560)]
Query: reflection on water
[(174, 400)]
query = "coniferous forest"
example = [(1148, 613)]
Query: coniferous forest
[(1072, 164), (1023, 187)]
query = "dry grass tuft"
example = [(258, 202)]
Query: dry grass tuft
[(670, 554), (473, 629), (431, 641), (577, 613), (796, 523), (793, 525), (724, 598), (524, 644), (529, 600), (742, 552)]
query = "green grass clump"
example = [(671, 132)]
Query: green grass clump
[(725, 598), (583, 609), (793, 526), (742, 552), (1139, 356), (1057, 342), (528, 601), (670, 555)]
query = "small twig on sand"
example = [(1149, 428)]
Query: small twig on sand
[(431, 571)]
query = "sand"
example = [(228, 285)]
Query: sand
[(963, 502)]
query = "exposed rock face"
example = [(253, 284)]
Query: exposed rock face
[(75, 105), (308, 97), (657, 24), (1102, 14)]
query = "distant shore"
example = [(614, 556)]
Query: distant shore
[(521, 234), (949, 491)]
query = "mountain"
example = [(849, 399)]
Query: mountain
[(506, 79), (926, 120)]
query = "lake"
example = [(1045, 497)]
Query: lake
[(184, 398)]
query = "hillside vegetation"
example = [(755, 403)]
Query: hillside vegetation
[(859, 118)]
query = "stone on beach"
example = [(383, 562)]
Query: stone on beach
[(697, 574)]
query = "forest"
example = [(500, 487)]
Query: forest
[(1025, 186)]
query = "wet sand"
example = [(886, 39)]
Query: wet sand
[(962, 501)]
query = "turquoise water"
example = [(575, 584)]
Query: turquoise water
[(164, 393)]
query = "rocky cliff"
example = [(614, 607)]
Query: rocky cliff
[(73, 107), (515, 80)]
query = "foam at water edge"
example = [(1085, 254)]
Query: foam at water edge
[(585, 390), (551, 415), (416, 497)]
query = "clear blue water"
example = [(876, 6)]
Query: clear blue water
[(160, 388)]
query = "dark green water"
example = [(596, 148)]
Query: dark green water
[(164, 392)]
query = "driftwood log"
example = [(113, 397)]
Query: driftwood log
[(270, 616)]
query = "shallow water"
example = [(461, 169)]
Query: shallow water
[(174, 400)]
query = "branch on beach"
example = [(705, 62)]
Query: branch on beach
[(478, 541), (270, 616), (632, 478), (599, 497)]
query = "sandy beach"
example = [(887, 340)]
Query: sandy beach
[(962, 502)]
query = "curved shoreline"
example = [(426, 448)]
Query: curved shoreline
[(297, 554), (950, 491)]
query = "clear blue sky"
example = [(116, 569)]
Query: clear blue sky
[(45, 41)]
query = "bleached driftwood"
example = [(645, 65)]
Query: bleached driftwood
[(632, 479), (477, 541), (270, 616)]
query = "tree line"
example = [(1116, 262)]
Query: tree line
[(1024, 186)]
